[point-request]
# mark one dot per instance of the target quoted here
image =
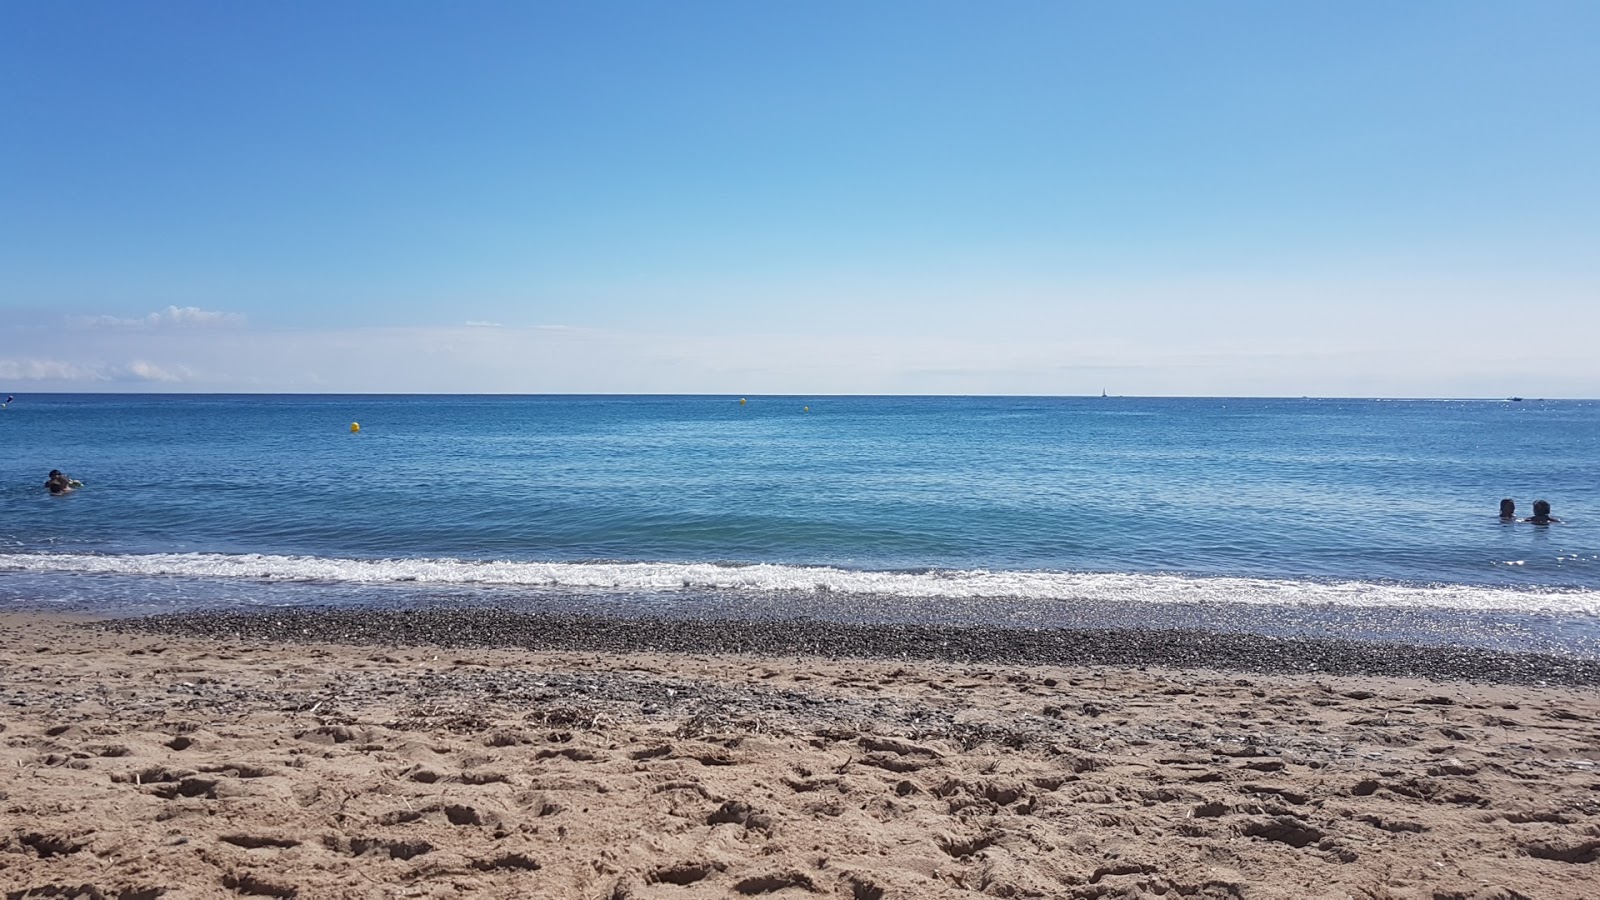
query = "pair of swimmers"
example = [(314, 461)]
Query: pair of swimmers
[(59, 483), (1541, 512)]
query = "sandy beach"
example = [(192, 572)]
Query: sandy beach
[(143, 764)]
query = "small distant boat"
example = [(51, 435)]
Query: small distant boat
[(1102, 393), (1514, 399)]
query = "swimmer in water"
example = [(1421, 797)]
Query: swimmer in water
[(1541, 514), (59, 483), (1508, 510)]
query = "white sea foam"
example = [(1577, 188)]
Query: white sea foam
[(764, 578)]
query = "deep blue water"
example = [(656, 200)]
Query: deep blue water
[(954, 505)]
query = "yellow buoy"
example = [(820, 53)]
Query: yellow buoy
[(741, 401), (805, 409), (355, 427)]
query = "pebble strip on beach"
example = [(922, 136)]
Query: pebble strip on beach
[(459, 628)]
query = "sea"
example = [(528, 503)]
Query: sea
[(1347, 518)]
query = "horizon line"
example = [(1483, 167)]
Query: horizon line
[(734, 394)]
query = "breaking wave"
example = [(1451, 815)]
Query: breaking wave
[(953, 584)]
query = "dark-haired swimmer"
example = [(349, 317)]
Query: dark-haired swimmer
[(1508, 510), (58, 483), (1541, 514)]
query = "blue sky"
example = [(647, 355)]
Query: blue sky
[(1393, 199)]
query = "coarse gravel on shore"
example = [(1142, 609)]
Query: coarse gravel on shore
[(1187, 649)]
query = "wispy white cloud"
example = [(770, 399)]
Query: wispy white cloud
[(473, 323), (92, 372), (193, 315), (48, 370), (171, 317), (143, 370)]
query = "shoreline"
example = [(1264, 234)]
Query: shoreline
[(175, 763)]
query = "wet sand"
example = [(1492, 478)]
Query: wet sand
[(515, 756)]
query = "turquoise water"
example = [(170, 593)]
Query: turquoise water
[(949, 505)]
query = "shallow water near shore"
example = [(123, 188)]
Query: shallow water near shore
[(1347, 518)]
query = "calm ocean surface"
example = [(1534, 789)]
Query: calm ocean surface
[(1359, 517)]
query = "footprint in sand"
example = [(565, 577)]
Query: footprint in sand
[(239, 770), (88, 892), (1285, 830), (361, 846), (737, 812), (682, 874), (253, 884), (258, 841), (1581, 852), (52, 845), (575, 754), (453, 813), (862, 889), (766, 884), (514, 861), (958, 847)]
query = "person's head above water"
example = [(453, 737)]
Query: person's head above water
[(55, 473), (1541, 514), (1508, 508)]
